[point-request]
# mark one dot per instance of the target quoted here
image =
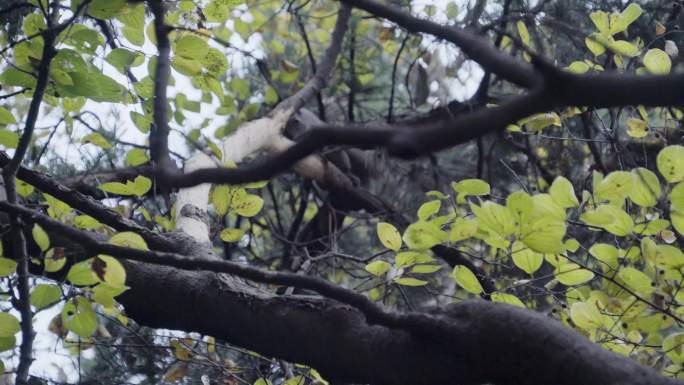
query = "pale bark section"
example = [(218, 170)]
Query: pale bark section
[(249, 138), (312, 167), (197, 196)]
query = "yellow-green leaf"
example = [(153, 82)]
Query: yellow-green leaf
[(429, 209), (423, 235), (128, 239), (466, 279), (670, 162), (389, 236), (54, 260), (507, 298), (6, 117), (571, 274), (44, 295), (409, 281), (657, 61), (79, 317), (525, 258), (378, 268), (462, 229), (636, 280), (9, 325), (232, 235), (248, 205), (7, 267), (563, 193), (646, 187), (41, 237)]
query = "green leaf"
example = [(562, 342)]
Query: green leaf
[(248, 205), (9, 325), (468, 187), (6, 117), (13, 77), (215, 62), (462, 229), (141, 185), (41, 237), (121, 59), (611, 218), (221, 196), (646, 187), (657, 62), (677, 219), (677, 197), (544, 235), (105, 9), (96, 139), (82, 274), (521, 204), (523, 32), (54, 260), (507, 298), (623, 47), (494, 218), (571, 245), (525, 258), (429, 209), (405, 259), (128, 239), (7, 267), (142, 122), (425, 269), (44, 295), (423, 235), (466, 279), (544, 206), (607, 254), (6, 343), (9, 139), (408, 281), (104, 293), (24, 189), (389, 236), (219, 10), (538, 122), (615, 187), (191, 46), (563, 193), (115, 188), (673, 346), (670, 162), (626, 17), (136, 157), (636, 280), (585, 315), (186, 66), (378, 268), (109, 270), (78, 316), (594, 46), (637, 128), (601, 21), (578, 67), (571, 274), (87, 222), (232, 235)]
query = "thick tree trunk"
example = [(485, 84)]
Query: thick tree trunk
[(488, 342)]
